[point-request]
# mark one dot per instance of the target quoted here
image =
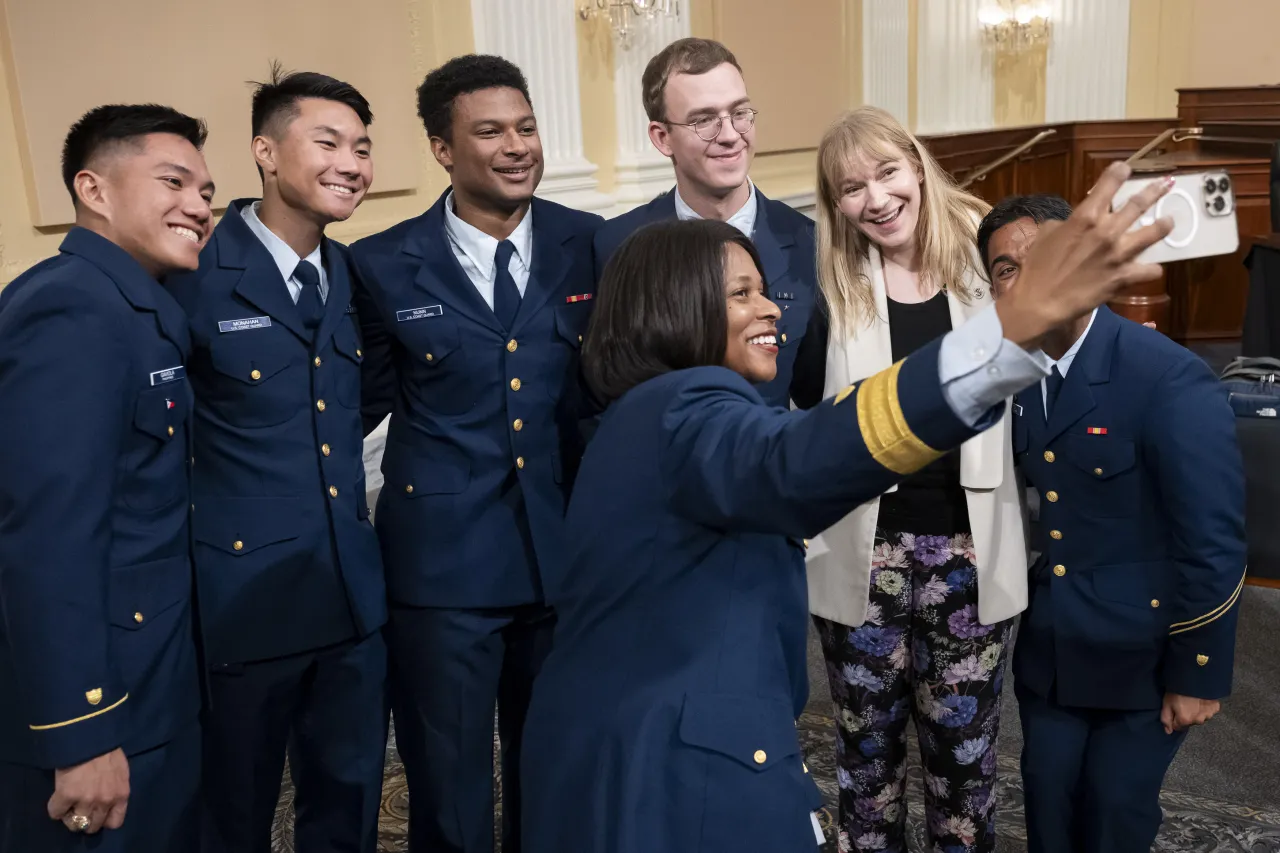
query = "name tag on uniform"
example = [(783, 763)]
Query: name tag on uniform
[(419, 313), (169, 374), (780, 294), (351, 309), (242, 325)]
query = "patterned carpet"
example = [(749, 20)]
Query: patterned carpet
[(1192, 824)]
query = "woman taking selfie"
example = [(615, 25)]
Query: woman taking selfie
[(663, 719), (915, 597)]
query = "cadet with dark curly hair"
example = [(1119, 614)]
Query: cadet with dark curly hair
[(473, 315)]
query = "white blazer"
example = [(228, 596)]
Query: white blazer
[(839, 568)]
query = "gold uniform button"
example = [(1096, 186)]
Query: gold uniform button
[(515, 384), (359, 353), (1048, 456), (408, 490), (579, 338), (1155, 602), (430, 357), (317, 361), (94, 696), (511, 345), (237, 545), (320, 405), (517, 425), (760, 757), (324, 448), (333, 491), (137, 617), (1051, 497), (170, 430), (520, 462), (1098, 471), (1055, 534), (1059, 570), (784, 337), (255, 374), (1201, 660)]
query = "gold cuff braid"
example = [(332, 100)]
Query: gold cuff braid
[(884, 427)]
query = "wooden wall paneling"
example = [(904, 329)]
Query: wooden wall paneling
[(1228, 104)]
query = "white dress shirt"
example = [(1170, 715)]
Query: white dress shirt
[(477, 252), (284, 256), (1064, 364), (744, 220)]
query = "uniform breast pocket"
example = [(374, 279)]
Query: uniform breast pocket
[(255, 384), (440, 380), (157, 455), (346, 345), (1108, 464)]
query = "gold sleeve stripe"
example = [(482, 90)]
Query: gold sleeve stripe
[(79, 719), (1211, 616), (884, 428)]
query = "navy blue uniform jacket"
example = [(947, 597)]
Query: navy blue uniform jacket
[(97, 649), (784, 240), (285, 554), (1141, 526), (475, 409), (663, 720)]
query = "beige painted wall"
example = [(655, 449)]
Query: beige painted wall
[(431, 31), (1198, 43)]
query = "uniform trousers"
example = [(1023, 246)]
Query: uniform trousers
[(327, 709), (448, 670), (921, 653), (1092, 777), (163, 813)]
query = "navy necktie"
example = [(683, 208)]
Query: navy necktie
[(506, 296), (1052, 388), (310, 305)]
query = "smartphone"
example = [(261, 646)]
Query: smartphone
[(1202, 206)]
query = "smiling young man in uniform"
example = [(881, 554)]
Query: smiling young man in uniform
[(474, 314)]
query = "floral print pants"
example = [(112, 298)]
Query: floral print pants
[(922, 651)]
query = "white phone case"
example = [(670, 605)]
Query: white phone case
[(1203, 208)]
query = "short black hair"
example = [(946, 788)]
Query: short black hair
[(275, 103), (660, 305), (112, 125), (1038, 207), (460, 76)]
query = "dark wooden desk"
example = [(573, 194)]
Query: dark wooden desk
[(1261, 336)]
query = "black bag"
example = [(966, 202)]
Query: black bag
[(1252, 387)]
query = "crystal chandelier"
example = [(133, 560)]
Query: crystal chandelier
[(1015, 26), (623, 14)]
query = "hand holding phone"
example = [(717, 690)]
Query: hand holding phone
[(1202, 206)]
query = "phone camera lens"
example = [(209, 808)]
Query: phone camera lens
[(1210, 186), (1219, 204), (1223, 184)]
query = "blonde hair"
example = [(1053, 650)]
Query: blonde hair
[(945, 230)]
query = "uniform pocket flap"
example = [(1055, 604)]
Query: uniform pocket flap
[(571, 322), (347, 342), (1138, 584), (756, 732), (240, 526), (138, 593), (440, 469), (161, 410), (1099, 456), (250, 365), (437, 337)]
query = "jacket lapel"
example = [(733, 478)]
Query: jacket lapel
[(339, 297), (136, 285), (440, 276), (771, 244), (1091, 366), (550, 265), (870, 348), (260, 283)]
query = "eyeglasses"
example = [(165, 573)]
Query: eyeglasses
[(708, 127)]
